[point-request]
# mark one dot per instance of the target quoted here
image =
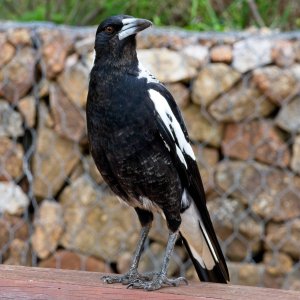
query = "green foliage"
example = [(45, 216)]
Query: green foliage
[(216, 15)]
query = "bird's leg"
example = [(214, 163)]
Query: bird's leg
[(132, 274), (161, 278)]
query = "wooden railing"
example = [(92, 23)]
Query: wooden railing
[(18, 282)]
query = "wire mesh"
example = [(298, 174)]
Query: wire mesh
[(239, 94)]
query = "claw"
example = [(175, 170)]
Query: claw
[(128, 278), (156, 283), (111, 279)]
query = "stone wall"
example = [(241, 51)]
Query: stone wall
[(239, 93)]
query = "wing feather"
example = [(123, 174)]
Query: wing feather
[(174, 134)]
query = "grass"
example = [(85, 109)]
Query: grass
[(200, 15)]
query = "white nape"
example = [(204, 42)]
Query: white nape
[(144, 73)]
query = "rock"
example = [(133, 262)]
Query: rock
[(295, 69), (295, 162), (200, 128), (12, 228), (167, 65), (207, 159), (17, 227), (87, 166), (7, 50), (19, 36), (277, 263), (13, 200), (10, 121), (27, 108), (19, 253), (191, 274), (124, 262), (283, 53), (50, 171), (7, 53), (279, 208), (258, 140), (261, 187), (147, 39), (44, 116), (251, 53), (55, 48), (17, 76), (196, 55), (292, 281), (48, 228), (246, 273), (88, 60), (63, 259), (272, 282), (69, 120), (91, 169), (76, 172), (288, 116), (85, 45), (284, 237), (74, 82), (297, 50), (4, 238), (212, 81), (240, 103), (240, 237), (94, 224), (242, 180), (277, 84), (43, 88), (11, 161), (221, 53), (180, 93)]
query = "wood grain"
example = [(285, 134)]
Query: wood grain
[(18, 282)]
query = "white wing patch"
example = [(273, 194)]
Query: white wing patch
[(163, 109), (144, 73), (180, 155)]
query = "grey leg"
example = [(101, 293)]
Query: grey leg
[(161, 278), (132, 274)]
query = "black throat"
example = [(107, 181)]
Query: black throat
[(118, 57)]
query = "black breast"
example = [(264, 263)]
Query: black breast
[(126, 130)]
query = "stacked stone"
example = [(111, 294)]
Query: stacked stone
[(239, 94)]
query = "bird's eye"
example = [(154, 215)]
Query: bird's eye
[(109, 29)]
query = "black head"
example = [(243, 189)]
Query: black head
[(114, 33)]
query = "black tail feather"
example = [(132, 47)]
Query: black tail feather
[(217, 274)]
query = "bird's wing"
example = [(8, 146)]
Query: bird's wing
[(104, 168), (174, 135)]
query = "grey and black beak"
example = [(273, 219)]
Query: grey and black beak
[(132, 26)]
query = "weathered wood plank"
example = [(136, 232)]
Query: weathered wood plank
[(18, 282)]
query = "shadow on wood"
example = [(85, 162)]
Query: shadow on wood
[(18, 282)]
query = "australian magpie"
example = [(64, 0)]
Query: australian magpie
[(142, 149)]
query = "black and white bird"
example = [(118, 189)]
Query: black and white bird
[(142, 149)]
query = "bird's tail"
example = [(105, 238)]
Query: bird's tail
[(202, 245)]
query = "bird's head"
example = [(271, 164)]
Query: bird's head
[(117, 33)]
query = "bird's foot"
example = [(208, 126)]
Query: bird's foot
[(128, 278), (156, 283)]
